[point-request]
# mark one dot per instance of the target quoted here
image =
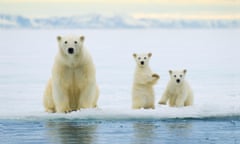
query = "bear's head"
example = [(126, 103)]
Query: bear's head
[(70, 45), (177, 76), (142, 59)]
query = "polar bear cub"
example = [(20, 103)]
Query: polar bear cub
[(144, 79), (178, 91), (73, 83)]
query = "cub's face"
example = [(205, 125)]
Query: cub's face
[(70, 45), (142, 59), (177, 76)]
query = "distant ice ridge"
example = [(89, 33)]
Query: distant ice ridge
[(115, 21)]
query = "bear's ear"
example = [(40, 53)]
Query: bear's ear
[(82, 38), (59, 38), (185, 71), (134, 55), (149, 54), (170, 72)]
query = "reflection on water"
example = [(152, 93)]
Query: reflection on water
[(180, 131), (161, 132), (144, 132), (71, 132), (181, 128), (121, 131)]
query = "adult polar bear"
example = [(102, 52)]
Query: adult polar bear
[(73, 82)]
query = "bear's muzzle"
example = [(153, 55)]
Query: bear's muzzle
[(70, 50)]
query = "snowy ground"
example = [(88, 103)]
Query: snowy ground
[(210, 56)]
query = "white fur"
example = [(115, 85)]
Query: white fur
[(178, 94), (144, 79), (73, 83)]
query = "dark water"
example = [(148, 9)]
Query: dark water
[(208, 130)]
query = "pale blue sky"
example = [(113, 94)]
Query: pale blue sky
[(228, 9)]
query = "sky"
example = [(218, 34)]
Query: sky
[(190, 9)]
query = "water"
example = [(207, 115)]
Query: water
[(212, 130), (210, 56)]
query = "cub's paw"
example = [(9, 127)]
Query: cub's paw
[(156, 76), (50, 110)]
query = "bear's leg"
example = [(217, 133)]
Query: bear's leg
[(164, 99), (96, 97), (48, 98), (150, 107), (149, 100), (61, 100), (180, 101), (88, 97), (172, 100), (189, 100), (134, 106), (137, 100)]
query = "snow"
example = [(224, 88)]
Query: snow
[(210, 56)]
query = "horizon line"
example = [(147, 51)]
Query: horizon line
[(144, 16)]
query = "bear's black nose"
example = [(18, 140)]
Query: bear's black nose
[(178, 80), (142, 62), (70, 50)]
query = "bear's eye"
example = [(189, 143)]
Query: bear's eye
[(145, 57), (180, 75), (65, 42), (139, 58), (175, 76), (75, 42)]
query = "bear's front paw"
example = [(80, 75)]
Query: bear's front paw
[(156, 76), (162, 103), (67, 111)]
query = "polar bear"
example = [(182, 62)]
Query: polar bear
[(73, 82), (144, 79), (178, 91)]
